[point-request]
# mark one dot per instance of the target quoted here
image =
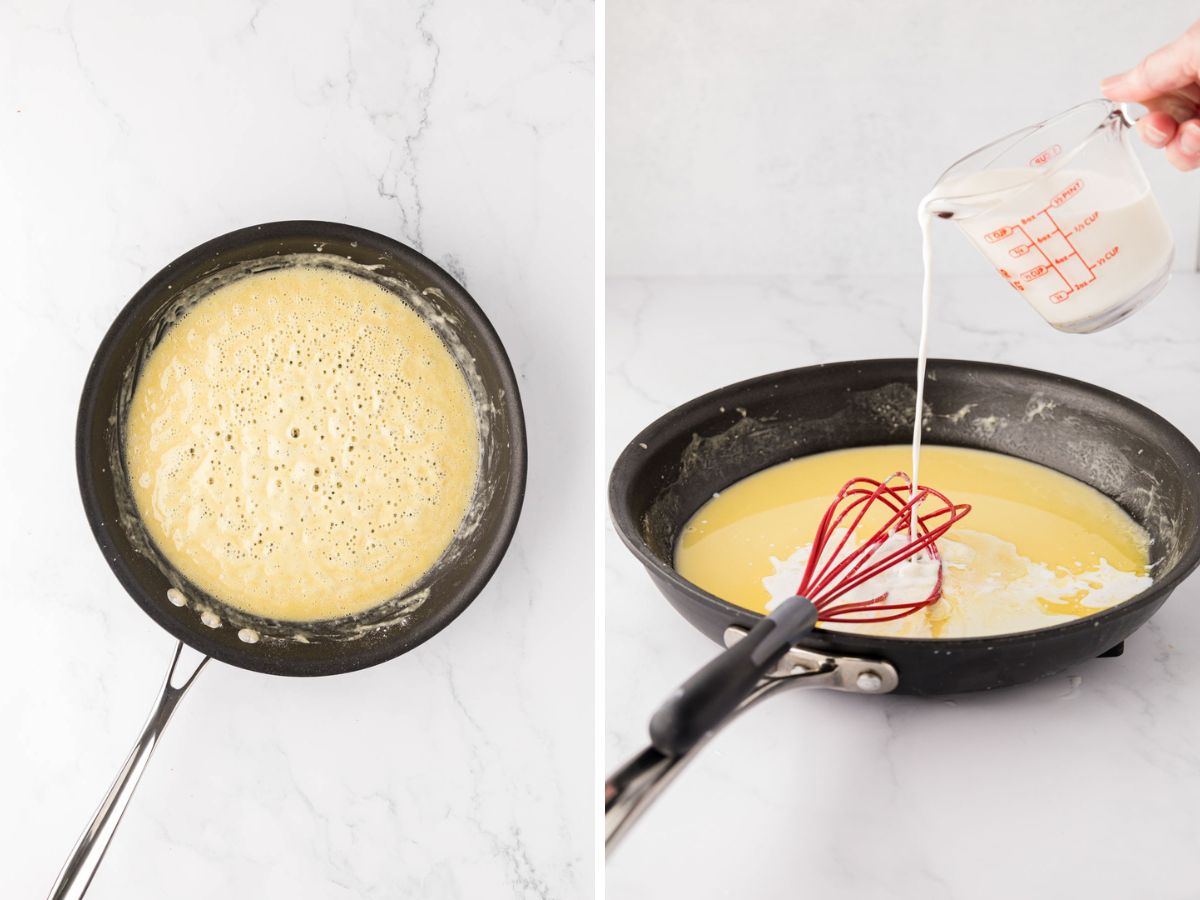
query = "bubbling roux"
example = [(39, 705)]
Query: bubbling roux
[(1038, 548), (302, 445)]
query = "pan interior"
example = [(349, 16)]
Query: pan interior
[(1117, 447), (395, 610), (349, 642)]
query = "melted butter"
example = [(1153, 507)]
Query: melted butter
[(301, 445), (1038, 547)]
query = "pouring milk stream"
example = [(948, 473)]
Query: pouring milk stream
[(1064, 213)]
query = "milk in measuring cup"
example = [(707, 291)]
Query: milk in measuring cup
[(1064, 213), (1083, 248)]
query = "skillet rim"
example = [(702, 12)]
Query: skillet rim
[(351, 655), (631, 461)]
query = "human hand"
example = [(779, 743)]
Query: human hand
[(1167, 82)]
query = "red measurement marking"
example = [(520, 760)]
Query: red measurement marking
[(1067, 193), (1046, 155), (1108, 254), (1046, 258), (1068, 240), (1037, 272)]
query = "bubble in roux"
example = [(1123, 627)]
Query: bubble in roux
[(302, 445)]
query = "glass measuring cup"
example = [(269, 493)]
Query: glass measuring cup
[(1063, 210)]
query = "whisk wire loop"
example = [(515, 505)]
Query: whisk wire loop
[(838, 565)]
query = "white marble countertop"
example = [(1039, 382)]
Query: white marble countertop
[(134, 132), (1086, 784)]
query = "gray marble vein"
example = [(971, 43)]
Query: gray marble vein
[(134, 132)]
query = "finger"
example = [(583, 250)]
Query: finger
[(1166, 69), (1183, 152), (1181, 162), (1189, 137), (1157, 128), (1180, 105)]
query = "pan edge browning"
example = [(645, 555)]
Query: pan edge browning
[(1121, 448)]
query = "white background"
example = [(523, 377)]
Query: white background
[(130, 133), (765, 162), (782, 137)]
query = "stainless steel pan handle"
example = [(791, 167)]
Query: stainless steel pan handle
[(631, 789), (85, 858)]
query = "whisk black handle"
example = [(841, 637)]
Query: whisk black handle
[(704, 701)]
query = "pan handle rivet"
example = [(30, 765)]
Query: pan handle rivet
[(869, 681)]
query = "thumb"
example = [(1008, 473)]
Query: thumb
[(1166, 69)]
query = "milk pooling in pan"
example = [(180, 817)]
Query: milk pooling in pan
[(302, 445), (1038, 548)]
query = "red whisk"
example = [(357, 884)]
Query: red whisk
[(837, 564), (829, 576)]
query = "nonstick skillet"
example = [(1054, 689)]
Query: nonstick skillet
[(674, 466), (207, 628)]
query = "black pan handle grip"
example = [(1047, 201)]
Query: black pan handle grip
[(703, 702)]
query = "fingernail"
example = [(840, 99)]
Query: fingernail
[(1189, 143), (1111, 81), (1153, 135)]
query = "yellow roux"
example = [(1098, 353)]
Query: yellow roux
[(302, 445), (1037, 548)]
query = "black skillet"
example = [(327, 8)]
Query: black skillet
[(676, 464), (248, 642)]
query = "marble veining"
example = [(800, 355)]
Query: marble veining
[(132, 133), (1019, 792)]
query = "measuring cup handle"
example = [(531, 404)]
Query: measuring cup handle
[(1127, 112)]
